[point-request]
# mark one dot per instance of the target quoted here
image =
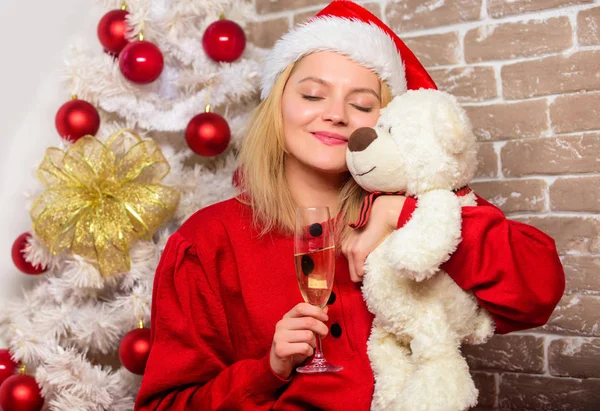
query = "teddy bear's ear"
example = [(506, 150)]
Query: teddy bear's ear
[(453, 128)]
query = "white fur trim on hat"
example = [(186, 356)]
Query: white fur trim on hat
[(364, 43)]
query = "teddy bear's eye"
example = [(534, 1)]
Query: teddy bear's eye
[(390, 130)]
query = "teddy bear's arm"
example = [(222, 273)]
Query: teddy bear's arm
[(428, 239)]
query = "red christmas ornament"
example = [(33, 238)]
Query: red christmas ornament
[(20, 393), (111, 31), (19, 258), (7, 366), (134, 350), (75, 119), (224, 41), (208, 134), (141, 62)]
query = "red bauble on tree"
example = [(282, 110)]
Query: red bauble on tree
[(208, 134), (20, 393), (7, 366), (224, 41), (141, 62), (111, 31), (75, 119), (19, 258), (134, 350)]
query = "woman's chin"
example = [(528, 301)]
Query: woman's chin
[(322, 162), (329, 168)]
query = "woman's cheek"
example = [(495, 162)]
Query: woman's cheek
[(307, 112), (369, 119)]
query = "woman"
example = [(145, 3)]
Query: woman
[(228, 327)]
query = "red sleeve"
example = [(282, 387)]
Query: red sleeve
[(512, 268), (191, 363)]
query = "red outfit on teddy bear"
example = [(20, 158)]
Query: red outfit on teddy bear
[(220, 288)]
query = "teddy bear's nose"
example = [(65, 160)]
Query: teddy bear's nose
[(361, 138)]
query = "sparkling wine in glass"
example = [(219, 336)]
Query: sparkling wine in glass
[(314, 256)]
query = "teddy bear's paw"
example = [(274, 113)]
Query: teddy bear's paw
[(429, 238), (390, 380), (384, 398), (484, 329), (441, 385), (417, 276), (390, 359), (392, 367), (415, 262)]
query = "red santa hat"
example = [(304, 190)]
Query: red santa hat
[(349, 29)]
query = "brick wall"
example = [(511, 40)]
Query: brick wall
[(528, 73)]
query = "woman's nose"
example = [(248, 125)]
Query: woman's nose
[(335, 112)]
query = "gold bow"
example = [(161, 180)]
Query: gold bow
[(103, 197)]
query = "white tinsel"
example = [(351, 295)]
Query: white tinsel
[(37, 254), (74, 379)]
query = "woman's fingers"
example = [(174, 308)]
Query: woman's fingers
[(287, 350), (360, 243), (307, 310), (308, 324), (353, 276), (359, 257), (294, 337), (348, 250), (301, 336)]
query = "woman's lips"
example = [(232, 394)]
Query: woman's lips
[(330, 139)]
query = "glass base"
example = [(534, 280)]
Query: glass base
[(316, 366)]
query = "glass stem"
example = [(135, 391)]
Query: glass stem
[(318, 350)]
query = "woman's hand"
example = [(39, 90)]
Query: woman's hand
[(382, 222), (294, 340)]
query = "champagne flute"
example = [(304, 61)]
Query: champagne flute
[(314, 256)]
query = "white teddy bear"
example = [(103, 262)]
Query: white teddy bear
[(423, 146)]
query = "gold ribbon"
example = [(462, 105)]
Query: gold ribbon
[(103, 197)]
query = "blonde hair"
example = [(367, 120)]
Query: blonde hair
[(262, 178)]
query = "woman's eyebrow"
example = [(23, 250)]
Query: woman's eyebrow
[(365, 90), (315, 79), (354, 90)]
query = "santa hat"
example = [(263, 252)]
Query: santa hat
[(351, 30)]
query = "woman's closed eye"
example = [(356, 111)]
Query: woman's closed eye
[(365, 109), (311, 98), (356, 106)]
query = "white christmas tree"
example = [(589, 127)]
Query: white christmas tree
[(66, 331)]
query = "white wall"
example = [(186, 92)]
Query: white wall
[(33, 39)]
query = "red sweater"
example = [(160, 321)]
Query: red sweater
[(219, 291)]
